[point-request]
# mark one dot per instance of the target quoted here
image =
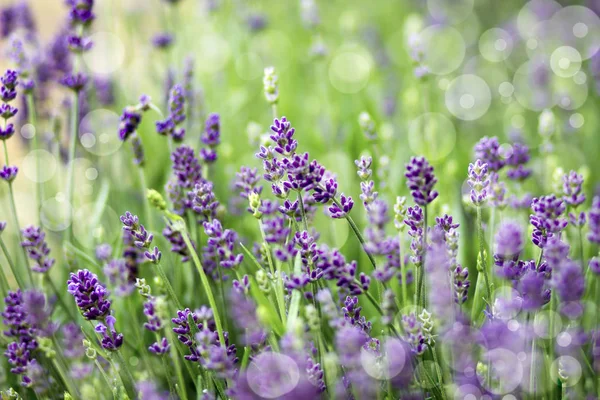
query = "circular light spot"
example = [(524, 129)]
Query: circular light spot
[(580, 78), (450, 10), (389, 363), (506, 89), (349, 71), (534, 12), (568, 94), (532, 44), (98, 132), (532, 88), (106, 55), (565, 61), (576, 120), (433, 135), (578, 27), (272, 375), (547, 324), (47, 163), (91, 173), (495, 45), (55, 213), (443, 49), (505, 371), (443, 83), (567, 369), (513, 325), (580, 30), (509, 397), (28, 131), (505, 150), (473, 87), (563, 339)]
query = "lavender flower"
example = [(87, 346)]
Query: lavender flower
[(103, 252), (90, 295), (247, 181), (219, 247), (120, 276), (414, 334), (572, 189), (178, 245), (415, 221), (546, 218), (488, 150), (271, 85), (508, 242), (142, 238), (211, 138), (497, 191), (340, 211), (570, 286), (420, 180), (130, 120), (111, 340), (162, 40), (204, 202), (594, 216), (479, 182), (367, 125), (186, 174), (517, 160), (364, 168), (8, 173), (75, 82), (34, 243)]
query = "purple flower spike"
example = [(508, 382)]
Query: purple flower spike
[(9, 83), (517, 160), (7, 132), (34, 243), (8, 173), (325, 193), (162, 40), (479, 182), (547, 218), (75, 82), (488, 150), (282, 135), (160, 348), (205, 204), (111, 340), (90, 295), (341, 210), (572, 188), (211, 138), (177, 104), (594, 217), (420, 180), (509, 241), (130, 120)]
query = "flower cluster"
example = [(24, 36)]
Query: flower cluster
[(142, 239), (8, 92), (546, 218), (211, 138), (420, 181), (34, 242), (81, 17), (479, 182)]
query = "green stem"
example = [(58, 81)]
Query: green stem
[(59, 365), (147, 211), (279, 288), (103, 373), (167, 283), (403, 273), (36, 146), (206, 284), (175, 359), (303, 211), (356, 231), (64, 306), (484, 268), (72, 146), (129, 377), (13, 269), (581, 252)]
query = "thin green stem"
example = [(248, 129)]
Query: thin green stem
[(103, 373), (484, 267), (581, 252), (11, 264), (71, 170), (206, 284), (303, 211), (129, 377), (403, 273), (36, 146), (167, 283), (147, 211), (60, 367), (175, 358), (359, 236), (59, 297)]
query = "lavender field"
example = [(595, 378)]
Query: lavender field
[(299, 199)]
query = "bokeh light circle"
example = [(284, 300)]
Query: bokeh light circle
[(28, 131), (547, 324), (281, 377), (567, 369), (532, 87), (452, 11), (55, 213), (576, 120), (578, 27), (349, 71), (47, 162), (106, 55), (504, 368), (389, 363), (433, 135), (534, 12), (443, 49), (98, 132), (468, 97), (569, 94), (565, 61), (495, 45)]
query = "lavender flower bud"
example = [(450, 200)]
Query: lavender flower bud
[(400, 213), (8, 173), (270, 85), (546, 218), (479, 182), (488, 151), (572, 189), (34, 243), (420, 180), (364, 168), (340, 211), (546, 124), (90, 295), (111, 340), (594, 216)]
